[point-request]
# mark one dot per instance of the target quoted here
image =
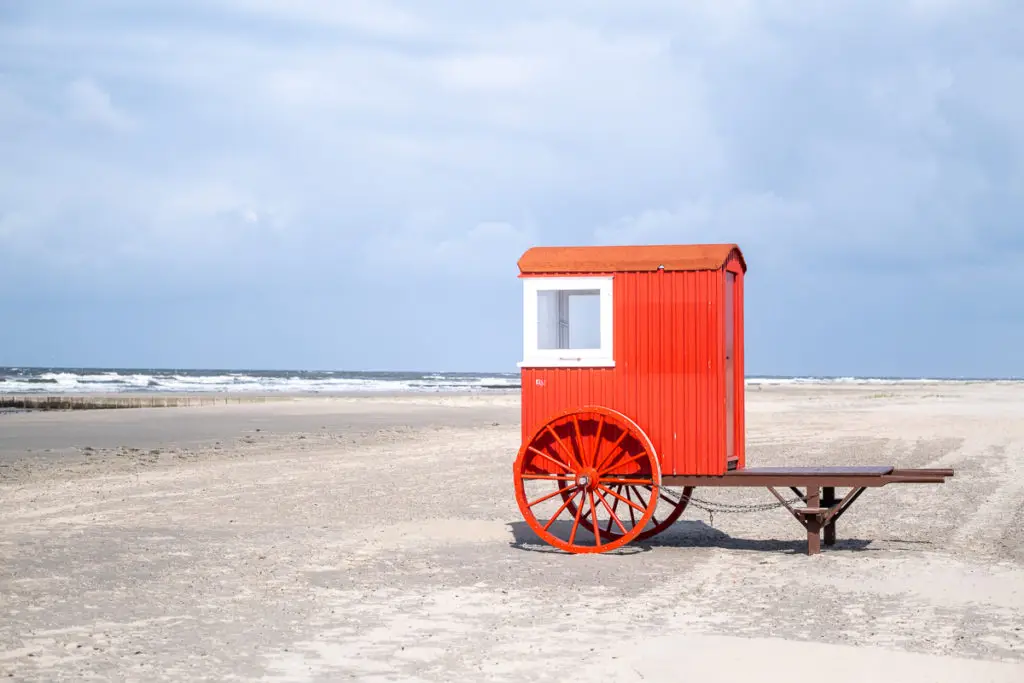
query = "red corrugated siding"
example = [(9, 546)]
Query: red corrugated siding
[(669, 375)]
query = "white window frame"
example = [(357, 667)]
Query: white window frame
[(534, 357)]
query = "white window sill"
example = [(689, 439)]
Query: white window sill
[(567, 363)]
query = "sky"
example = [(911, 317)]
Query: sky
[(347, 184)]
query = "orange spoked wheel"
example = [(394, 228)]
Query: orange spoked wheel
[(589, 456), (641, 495)]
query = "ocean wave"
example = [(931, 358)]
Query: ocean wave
[(753, 381), (36, 381), (56, 380)]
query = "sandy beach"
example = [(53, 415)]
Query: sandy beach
[(376, 538)]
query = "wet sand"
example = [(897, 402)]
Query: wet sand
[(377, 539)]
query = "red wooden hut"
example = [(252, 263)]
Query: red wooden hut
[(654, 332)]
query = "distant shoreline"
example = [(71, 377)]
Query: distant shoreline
[(19, 402), (14, 403), (74, 389)]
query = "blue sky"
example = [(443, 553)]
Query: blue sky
[(348, 184)]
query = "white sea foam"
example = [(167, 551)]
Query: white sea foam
[(17, 381), (753, 381), (40, 381)]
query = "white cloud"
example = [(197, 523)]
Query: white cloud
[(14, 110), (490, 72), (90, 103), (430, 244), (335, 125), (367, 17)]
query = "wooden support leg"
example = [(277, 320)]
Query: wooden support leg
[(813, 522), (828, 500)]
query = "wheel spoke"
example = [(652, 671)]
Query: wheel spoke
[(615, 506), (586, 512), (549, 477), (636, 493), (639, 496), (668, 500), (562, 446), (611, 467), (632, 513), (614, 450), (611, 512), (593, 510), (551, 495), (624, 500), (579, 441), (597, 441), (559, 511), (576, 524), (649, 499), (639, 482), (551, 459)]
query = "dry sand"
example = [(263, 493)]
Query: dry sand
[(378, 539)]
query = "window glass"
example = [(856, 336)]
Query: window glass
[(569, 319)]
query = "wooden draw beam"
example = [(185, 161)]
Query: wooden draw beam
[(821, 509)]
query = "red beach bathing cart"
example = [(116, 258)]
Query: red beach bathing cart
[(633, 381)]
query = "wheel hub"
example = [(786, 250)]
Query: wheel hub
[(588, 479)]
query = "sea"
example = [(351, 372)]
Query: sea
[(149, 380), (17, 380)]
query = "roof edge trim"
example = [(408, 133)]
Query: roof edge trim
[(639, 258)]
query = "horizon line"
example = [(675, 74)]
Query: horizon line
[(748, 376)]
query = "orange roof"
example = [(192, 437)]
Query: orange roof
[(612, 259)]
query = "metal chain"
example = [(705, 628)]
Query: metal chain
[(711, 507)]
